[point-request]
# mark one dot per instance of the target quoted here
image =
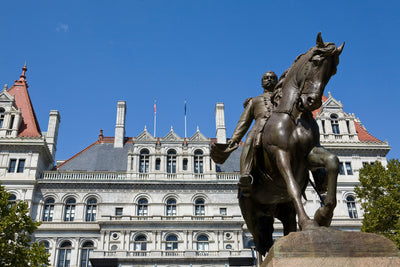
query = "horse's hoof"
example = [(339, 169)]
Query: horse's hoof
[(309, 225), (323, 216)]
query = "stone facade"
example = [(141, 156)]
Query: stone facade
[(153, 201)]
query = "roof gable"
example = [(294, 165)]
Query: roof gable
[(172, 137), (145, 136), (198, 137), (5, 97)]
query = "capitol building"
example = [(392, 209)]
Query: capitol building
[(153, 200)]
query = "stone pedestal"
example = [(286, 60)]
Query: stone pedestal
[(329, 247)]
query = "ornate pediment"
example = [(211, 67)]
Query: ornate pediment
[(331, 105), (145, 136), (6, 97), (198, 137), (172, 137)]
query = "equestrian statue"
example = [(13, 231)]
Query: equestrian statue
[(283, 147)]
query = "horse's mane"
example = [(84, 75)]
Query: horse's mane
[(328, 50)]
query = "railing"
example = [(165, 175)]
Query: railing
[(172, 253), (127, 176), (75, 175), (169, 218)]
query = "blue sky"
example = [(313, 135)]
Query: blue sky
[(84, 56)]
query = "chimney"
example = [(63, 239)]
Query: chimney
[(120, 124), (220, 123), (52, 131)]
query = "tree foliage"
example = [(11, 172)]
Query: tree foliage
[(16, 229), (379, 192)]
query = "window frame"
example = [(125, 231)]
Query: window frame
[(48, 210), (64, 252), (86, 251), (144, 161), (171, 242), (171, 207), (91, 210), (351, 207), (142, 207), (199, 207), (198, 157), (171, 161), (69, 209), (140, 245)]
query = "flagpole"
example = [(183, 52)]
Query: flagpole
[(185, 118), (155, 116)]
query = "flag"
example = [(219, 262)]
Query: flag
[(155, 106), (185, 107)]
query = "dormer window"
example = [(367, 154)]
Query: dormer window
[(171, 161), (335, 124), (144, 161), (2, 112), (198, 161)]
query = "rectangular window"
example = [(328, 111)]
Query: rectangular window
[(21, 165), (158, 164), (222, 211), (11, 166), (185, 164), (348, 126), (118, 211), (348, 168), (323, 126), (341, 168)]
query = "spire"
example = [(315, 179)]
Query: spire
[(23, 75)]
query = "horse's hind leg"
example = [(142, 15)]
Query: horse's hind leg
[(317, 158)]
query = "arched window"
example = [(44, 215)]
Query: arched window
[(2, 112), (46, 245), (87, 250), (171, 161), (198, 161), (335, 124), (69, 212), (202, 243), (229, 246), (142, 207), (48, 210), (91, 207), (12, 199), (140, 243), (199, 209), (144, 161), (351, 207), (172, 242), (64, 254), (171, 207)]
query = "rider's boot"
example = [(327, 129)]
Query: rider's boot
[(245, 183)]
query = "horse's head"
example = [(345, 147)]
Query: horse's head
[(314, 71)]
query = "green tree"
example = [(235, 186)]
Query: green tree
[(379, 192), (16, 229)]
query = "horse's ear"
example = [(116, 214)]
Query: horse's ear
[(319, 42), (340, 49)]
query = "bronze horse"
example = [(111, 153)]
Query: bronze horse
[(291, 149)]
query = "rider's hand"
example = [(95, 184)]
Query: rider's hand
[(231, 143)]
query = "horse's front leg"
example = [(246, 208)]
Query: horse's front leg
[(283, 163), (321, 158)]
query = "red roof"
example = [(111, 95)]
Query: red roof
[(363, 135), (29, 126)]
